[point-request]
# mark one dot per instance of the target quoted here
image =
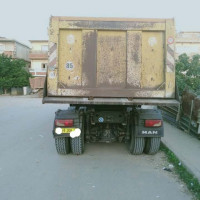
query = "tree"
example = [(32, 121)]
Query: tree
[(13, 73), (188, 73)]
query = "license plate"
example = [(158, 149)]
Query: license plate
[(67, 130)]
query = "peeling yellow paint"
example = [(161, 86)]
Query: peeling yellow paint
[(70, 57), (111, 59), (134, 58), (152, 59), (52, 82)]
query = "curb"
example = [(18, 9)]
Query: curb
[(182, 162)]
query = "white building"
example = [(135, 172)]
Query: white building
[(14, 49), (39, 57), (187, 42)]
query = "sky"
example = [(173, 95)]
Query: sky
[(26, 20)]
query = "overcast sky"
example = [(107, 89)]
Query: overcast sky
[(28, 19)]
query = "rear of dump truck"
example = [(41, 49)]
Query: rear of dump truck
[(113, 73)]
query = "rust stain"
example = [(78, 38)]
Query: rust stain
[(112, 25), (108, 92), (89, 58), (73, 92), (111, 59), (134, 58)]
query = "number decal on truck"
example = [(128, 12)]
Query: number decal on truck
[(52, 75), (69, 66)]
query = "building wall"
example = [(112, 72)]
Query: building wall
[(38, 46), (37, 67), (22, 51), (15, 49), (39, 58), (188, 48), (37, 64), (187, 42), (7, 48)]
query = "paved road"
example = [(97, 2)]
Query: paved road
[(31, 169)]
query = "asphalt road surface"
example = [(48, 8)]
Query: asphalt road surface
[(31, 169)]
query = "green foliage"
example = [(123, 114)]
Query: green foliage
[(188, 73), (13, 72)]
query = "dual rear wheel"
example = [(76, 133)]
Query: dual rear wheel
[(138, 145), (149, 146), (66, 144)]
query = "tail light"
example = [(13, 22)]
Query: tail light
[(153, 123), (64, 122)]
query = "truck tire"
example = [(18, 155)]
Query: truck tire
[(77, 143), (137, 145), (152, 145), (62, 145)]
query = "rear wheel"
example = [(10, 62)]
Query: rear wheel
[(152, 145), (77, 143), (137, 143), (62, 145)]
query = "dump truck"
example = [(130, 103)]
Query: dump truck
[(113, 73)]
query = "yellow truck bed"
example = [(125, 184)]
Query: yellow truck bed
[(110, 58)]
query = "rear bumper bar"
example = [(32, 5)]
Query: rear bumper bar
[(110, 101)]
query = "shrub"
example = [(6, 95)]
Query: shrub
[(188, 73), (13, 73)]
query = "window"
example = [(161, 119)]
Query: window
[(44, 47), (44, 65)]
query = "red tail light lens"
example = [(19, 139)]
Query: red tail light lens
[(64, 122), (153, 123)]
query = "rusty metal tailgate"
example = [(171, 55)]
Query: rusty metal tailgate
[(111, 58)]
